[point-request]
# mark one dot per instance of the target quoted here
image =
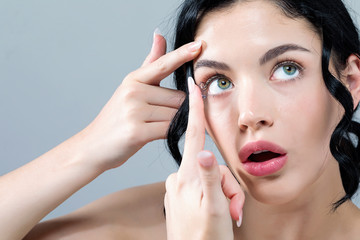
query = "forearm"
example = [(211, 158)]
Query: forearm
[(29, 193), (139, 112)]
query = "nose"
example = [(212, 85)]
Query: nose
[(253, 121), (255, 108)]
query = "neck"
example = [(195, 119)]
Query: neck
[(310, 216)]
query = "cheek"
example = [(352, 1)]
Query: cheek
[(310, 124), (221, 122), (313, 117)]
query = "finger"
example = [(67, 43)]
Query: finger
[(170, 184), (160, 96), (158, 48), (156, 130), (233, 191), (156, 71), (210, 177), (159, 114), (195, 132)]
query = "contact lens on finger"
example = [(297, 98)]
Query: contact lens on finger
[(202, 86), (203, 90)]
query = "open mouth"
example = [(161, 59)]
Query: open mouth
[(262, 156)]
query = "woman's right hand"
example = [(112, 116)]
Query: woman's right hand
[(140, 110)]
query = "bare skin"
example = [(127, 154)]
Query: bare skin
[(109, 141), (292, 204), (137, 213)]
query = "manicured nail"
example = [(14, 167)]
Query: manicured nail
[(191, 84), (205, 159), (157, 32), (238, 222), (195, 46)]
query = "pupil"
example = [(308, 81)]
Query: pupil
[(223, 83), (289, 69)]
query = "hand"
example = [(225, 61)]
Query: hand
[(197, 196), (140, 110)]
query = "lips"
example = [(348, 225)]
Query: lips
[(260, 150), (262, 158)]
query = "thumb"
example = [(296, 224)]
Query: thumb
[(233, 191), (210, 176)]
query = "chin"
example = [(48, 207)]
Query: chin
[(275, 191)]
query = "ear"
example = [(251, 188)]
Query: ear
[(352, 74)]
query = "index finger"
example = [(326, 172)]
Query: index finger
[(154, 72), (195, 132)]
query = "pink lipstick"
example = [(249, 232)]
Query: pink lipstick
[(262, 158)]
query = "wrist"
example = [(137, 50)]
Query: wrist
[(78, 152)]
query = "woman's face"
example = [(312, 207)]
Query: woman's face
[(261, 72)]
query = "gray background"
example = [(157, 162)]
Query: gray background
[(60, 61)]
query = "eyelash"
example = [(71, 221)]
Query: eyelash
[(204, 85), (280, 64)]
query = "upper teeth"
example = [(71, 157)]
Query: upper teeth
[(258, 152)]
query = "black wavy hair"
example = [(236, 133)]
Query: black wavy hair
[(340, 39)]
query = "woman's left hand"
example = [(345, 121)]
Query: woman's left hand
[(202, 197)]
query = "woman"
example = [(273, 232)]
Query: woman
[(278, 82)]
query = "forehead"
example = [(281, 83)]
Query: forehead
[(254, 25)]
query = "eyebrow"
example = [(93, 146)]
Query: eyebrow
[(211, 64), (277, 51), (271, 54)]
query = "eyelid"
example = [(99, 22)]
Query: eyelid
[(287, 62), (205, 85)]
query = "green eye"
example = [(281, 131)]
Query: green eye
[(223, 83), (289, 70), (219, 85), (286, 71)]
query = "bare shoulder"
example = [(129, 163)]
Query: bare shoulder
[(357, 220), (352, 223), (134, 213)]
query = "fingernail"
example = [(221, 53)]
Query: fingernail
[(238, 222), (205, 159), (191, 84), (157, 32), (195, 46)]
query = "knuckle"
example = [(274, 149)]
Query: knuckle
[(160, 65), (131, 92), (216, 212), (224, 170), (181, 184), (213, 213), (131, 115), (210, 178), (132, 134), (170, 181), (166, 200), (130, 77), (132, 112), (125, 93)]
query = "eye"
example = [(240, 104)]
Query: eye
[(217, 85), (286, 71)]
